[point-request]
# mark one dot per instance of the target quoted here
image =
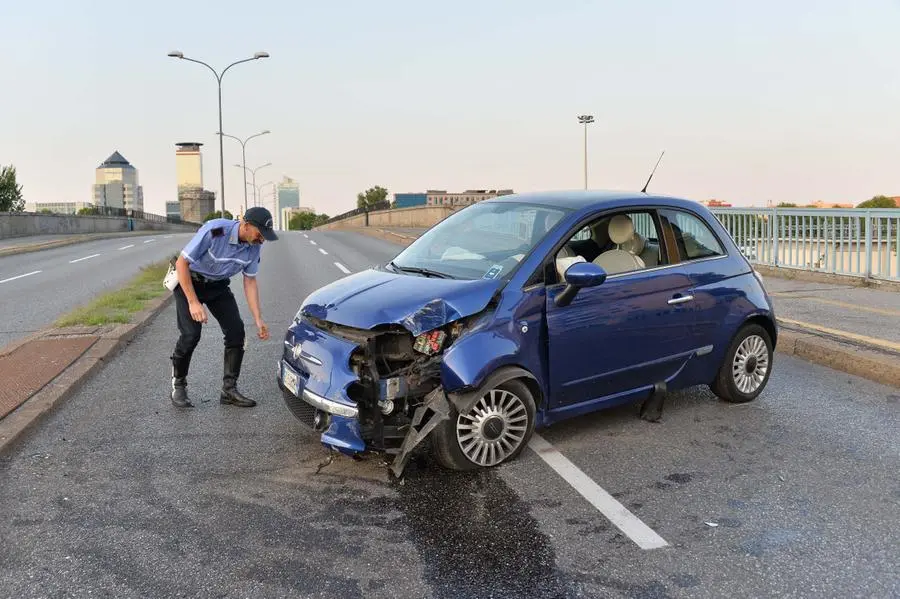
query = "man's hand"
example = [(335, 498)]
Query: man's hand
[(197, 311), (263, 330)]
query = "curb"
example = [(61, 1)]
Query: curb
[(76, 374), (856, 359), (796, 274)]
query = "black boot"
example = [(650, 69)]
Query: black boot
[(230, 393), (179, 382)]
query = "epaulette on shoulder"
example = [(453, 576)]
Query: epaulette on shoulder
[(218, 231)]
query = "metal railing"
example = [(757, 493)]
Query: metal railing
[(120, 212), (385, 205), (855, 242)]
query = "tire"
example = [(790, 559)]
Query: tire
[(750, 349), (515, 398)]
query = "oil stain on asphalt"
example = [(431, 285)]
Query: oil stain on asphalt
[(476, 537)]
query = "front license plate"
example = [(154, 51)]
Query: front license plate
[(290, 380)]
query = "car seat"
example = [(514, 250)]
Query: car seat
[(621, 231)]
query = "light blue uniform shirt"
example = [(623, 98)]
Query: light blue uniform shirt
[(216, 252)]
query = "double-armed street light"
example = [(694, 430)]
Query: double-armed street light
[(256, 56), (243, 143), (253, 172)]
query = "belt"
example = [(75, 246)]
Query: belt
[(204, 279)]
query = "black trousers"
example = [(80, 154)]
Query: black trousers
[(217, 296)]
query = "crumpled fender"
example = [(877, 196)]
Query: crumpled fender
[(463, 400), (468, 361)]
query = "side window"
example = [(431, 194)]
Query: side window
[(619, 242), (694, 238)]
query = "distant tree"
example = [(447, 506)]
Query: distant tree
[(321, 219), (371, 197), (88, 211), (879, 201), (218, 214), (11, 199), (45, 211), (786, 205), (302, 221)]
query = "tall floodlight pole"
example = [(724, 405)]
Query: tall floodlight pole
[(585, 119), (257, 56), (243, 143)]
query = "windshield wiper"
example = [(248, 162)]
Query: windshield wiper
[(420, 271)]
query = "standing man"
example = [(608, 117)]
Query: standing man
[(219, 250)]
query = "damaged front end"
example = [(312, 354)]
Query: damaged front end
[(371, 390)]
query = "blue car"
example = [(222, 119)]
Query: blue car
[(521, 311)]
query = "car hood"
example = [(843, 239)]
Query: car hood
[(375, 297)]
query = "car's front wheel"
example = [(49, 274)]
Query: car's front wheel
[(495, 430), (747, 366)]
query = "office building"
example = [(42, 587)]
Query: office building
[(288, 197), (409, 200), (440, 197), (116, 185), (189, 165), (196, 204), (173, 209)]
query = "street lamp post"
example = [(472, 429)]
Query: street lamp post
[(253, 171), (244, 154), (585, 119), (256, 56)]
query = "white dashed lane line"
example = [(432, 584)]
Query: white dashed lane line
[(306, 236), (27, 274), (618, 514), (313, 242), (324, 253), (342, 268), (150, 241), (126, 247), (85, 258)]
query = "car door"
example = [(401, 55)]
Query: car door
[(622, 336)]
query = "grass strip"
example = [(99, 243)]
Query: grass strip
[(118, 307)]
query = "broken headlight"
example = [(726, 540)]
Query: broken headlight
[(430, 343)]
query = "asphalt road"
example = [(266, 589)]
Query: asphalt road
[(38, 287), (119, 494)]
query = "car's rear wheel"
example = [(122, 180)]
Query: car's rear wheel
[(747, 366), (494, 431)]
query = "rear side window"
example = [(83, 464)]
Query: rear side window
[(694, 238)]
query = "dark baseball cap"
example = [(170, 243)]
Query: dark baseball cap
[(262, 220)]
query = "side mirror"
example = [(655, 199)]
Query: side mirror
[(580, 274)]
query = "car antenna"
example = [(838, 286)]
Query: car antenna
[(651, 173)]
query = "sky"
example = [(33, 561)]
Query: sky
[(752, 102)]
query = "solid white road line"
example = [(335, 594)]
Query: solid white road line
[(323, 252), (27, 274), (126, 247), (85, 258), (617, 513), (343, 268)]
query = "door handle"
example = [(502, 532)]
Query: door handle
[(681, 299)]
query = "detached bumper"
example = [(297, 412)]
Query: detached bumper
[(338, 421)]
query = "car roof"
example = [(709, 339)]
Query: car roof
[(590, 199)]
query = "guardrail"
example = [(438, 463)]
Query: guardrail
[(855, 242)]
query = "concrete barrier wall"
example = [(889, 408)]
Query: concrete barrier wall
[(23, 224), (416, 217)]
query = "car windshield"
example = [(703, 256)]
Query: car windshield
[(485, 240)]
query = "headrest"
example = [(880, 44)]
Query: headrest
[(621, 229)]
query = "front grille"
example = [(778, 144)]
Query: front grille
[(304, 412)]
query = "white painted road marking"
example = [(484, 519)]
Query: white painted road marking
[(167, 237), (617, 513), (85, 258), (27, 274), (343, 268), (306, 236), (323, 251), (149, 240), (126, 247), (312, 242)]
